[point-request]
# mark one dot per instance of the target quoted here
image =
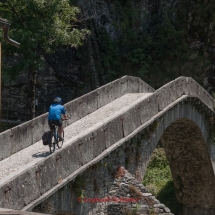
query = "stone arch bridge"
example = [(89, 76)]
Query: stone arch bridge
[(114, 127)]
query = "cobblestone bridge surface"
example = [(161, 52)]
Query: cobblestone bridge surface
[(19, 161)]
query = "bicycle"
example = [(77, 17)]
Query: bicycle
[(55, 139)]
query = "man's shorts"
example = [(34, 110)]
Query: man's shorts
[(55, 122)]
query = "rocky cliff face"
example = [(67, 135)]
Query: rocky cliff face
[(71, 72)]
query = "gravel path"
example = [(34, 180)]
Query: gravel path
[(38, 151)]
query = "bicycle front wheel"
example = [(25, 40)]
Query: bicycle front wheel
[(60, 143)]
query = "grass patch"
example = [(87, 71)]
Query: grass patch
[(158, 180)]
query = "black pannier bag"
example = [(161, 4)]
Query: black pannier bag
[(47, 137)]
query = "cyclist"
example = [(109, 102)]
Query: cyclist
[(54, 116)]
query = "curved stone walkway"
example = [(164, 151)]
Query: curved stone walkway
[(34, 153)]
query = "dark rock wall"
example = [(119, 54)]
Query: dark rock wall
[(70, 72)]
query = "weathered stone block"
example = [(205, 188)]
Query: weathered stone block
[(86, 145), (187, 86), (39, 126), (194, 89), (133, 84), (71, 158), (98, 135), (161, 99), (148, 108), (166, 120), (5, 144), (131, 120), (144, 87), (72, 111), (20, 191), (105, 95), (48, 176), (117, 88), (159, 129), (27, 188), (87, 104), (164, 96), (21, 136), (124, 85), (179, 86), (113, 131), (5, 199), (172, 91)]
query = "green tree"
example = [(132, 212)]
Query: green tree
[(40, 26)]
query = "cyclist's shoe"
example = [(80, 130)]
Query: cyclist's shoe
[(61, 139)]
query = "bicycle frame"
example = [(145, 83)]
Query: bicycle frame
[(55, 132), (56, 141)]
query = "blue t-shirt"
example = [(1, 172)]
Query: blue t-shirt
[(55, 112)]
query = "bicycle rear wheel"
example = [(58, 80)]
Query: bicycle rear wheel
[(60, 143), (52, 144), (52, 147)]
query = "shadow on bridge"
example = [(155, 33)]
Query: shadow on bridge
[(41, 154)]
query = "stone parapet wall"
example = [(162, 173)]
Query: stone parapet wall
[(183, 86), (30, 132), (26, 134), (96, 99)]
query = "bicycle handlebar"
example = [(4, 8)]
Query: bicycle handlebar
[(64, 119)]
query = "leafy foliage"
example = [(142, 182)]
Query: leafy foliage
[(158, 172), (158, 180), (40, 26)]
